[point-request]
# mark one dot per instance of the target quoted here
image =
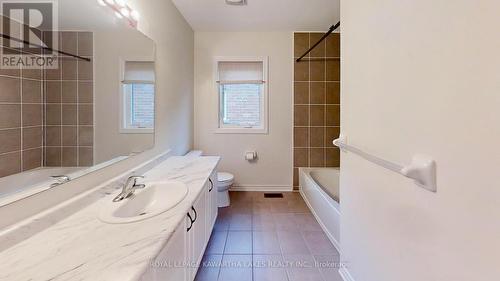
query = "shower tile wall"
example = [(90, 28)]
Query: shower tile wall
[(69, 130), (46, 117), (316, 102), (21, 115)]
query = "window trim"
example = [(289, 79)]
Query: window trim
[(121, 118), (264, 128)]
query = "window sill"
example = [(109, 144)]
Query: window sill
[(136, 131), (260, 131)]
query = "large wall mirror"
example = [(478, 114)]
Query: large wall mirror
[(76, 95)]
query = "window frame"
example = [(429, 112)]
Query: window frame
[(124, 103), (264, 106)]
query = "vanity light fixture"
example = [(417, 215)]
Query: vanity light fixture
[(236, 2), (121, 3), (125, 12), (135, 15), (122, 10)]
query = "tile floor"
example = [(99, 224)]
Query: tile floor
[(268, 239)]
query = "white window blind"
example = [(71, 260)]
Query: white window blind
[(242, 96), (241, 72), (139, 72), (138, 97)]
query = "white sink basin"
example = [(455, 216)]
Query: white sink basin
[(156, 198)]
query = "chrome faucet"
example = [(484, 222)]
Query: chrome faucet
[(129, 188), (60, 180)]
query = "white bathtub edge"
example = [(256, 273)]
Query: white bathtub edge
[(335, 243), (333, 205)]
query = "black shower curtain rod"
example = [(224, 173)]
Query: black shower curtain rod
[(332, 28), (8, 37)]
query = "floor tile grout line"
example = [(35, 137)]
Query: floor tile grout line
[(282, 255), (222, 256), (251, 231), (244, 210), (310, 251)]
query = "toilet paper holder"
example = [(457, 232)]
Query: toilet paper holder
[(250, 155)]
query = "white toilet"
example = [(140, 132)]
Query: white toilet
[(224, 182)]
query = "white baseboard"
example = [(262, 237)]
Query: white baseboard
[(344, 273), (263, 188)]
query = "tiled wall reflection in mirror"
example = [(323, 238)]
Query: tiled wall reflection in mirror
[(46, 116)]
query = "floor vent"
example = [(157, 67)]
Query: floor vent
[(273, 195)]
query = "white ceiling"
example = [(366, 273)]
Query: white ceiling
[(260, 15)]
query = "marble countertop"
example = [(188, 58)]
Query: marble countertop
[(81, 247)]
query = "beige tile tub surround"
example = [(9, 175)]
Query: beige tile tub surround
[(10, 140), (69, 107), (316, 102), (11, 89), (46, 116), (21, 120)]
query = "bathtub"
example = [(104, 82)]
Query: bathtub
[(21, 185), (26, 183), (320, 189)]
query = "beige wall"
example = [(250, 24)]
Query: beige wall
[(274, 166), (110, 51), (421, 77), (174, 40)]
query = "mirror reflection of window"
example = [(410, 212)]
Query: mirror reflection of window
[(138, 97)]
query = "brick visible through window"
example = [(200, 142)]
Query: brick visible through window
[(242, 95), (142, 103), (241, 104)]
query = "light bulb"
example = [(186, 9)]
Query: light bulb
[(118, 15), (125, 12), (121, 3), (101, 2), (135, 15)]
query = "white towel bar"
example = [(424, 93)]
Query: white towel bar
[(422, 168)]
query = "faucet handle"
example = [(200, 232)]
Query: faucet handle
[(134, 179), (61, 178), (139, 186)]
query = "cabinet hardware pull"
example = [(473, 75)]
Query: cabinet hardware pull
[(191, 220), (195, 214), (211, 185)]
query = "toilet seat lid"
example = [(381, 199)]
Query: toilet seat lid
[(224, 177)]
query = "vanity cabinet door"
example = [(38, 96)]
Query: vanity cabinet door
[(169, 265), (212, 203), (196, 236), (190, 260), (200, 227)]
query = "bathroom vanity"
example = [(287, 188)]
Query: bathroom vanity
[(167, 246), (181, 256)]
